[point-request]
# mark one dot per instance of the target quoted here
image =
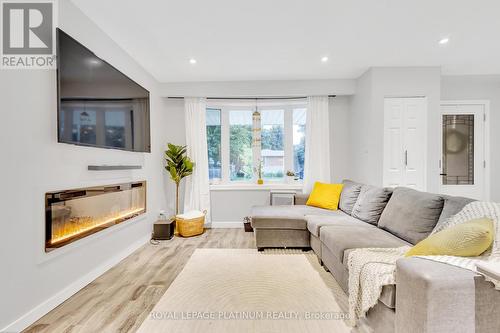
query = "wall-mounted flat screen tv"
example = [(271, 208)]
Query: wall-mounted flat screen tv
[(97, 104)]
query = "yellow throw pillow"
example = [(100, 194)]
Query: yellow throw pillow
[(325, 196), (468, 239)]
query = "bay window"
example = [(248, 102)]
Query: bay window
[(272, 153), (213, 143), (240, 145), (241, 137), (299, 140)]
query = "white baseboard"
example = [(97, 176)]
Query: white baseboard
[(222, 224), (42, 309)]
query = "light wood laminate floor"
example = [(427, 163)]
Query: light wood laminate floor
[(120, 299)]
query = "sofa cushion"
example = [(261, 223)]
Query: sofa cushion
[(341, 238), (410, 214), (315, 222), (285, 217), (349, 195), (309, 210), (452, 205), (370, 203)]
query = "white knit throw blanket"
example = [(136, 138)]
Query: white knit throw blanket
[(371, 269)]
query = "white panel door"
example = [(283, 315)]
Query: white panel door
[(463, 150), (414, 143), (405, 142), (393, 153)]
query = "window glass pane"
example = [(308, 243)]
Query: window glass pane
[(84, 126), (458, 149), (214, 144), (299, 141), (240, 145), (114, 122), (272, 147)]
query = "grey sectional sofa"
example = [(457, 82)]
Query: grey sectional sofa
[(428, 296)]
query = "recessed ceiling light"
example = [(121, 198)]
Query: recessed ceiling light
[(444, 40), (324, 59), (192, 61), (94, 61)]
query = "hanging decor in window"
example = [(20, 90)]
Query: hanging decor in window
[(256, 144), (256, 128)]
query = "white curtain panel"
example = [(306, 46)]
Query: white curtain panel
[(197, 194), (317, 155)]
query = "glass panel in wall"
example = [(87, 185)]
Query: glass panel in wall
[(272, 144), (458, 149), (240, 145), (214, 143), (299, 141), (114, 122), (84, 126)]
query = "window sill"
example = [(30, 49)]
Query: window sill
[(255, 187)]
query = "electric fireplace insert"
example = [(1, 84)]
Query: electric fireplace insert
[(74, 214)]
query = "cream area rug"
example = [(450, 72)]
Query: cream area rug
[(234, 290)]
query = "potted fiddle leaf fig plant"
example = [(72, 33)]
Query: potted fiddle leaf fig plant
[(179, 166)]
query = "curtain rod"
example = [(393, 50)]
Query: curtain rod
[(250, 98)]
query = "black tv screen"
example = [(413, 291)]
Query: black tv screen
[(98, 105)]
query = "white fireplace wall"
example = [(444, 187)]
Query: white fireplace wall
[(31, 281)]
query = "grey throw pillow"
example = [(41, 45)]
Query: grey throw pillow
[(410, 214), (370, 204), (349, 195), (452, 205)]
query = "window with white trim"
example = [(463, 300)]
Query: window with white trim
[(243, 137)]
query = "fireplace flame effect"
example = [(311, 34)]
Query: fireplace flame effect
[(77, 225)]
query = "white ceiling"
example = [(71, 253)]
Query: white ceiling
[(285, 39)]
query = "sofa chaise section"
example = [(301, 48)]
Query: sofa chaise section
[(284, 226)]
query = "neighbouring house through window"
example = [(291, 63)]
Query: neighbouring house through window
[(234, 152)]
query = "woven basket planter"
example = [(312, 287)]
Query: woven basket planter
[(190, 227)]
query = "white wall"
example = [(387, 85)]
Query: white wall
[(340, 146), (361, 156), (367, 121), (483, 87), (174, 129), (260, 88), (232, 206), (32, 282)]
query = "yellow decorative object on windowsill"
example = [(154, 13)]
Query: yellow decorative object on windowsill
[(258, 170)]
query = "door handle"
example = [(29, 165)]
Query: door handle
[(443, 174), (406, 157)]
